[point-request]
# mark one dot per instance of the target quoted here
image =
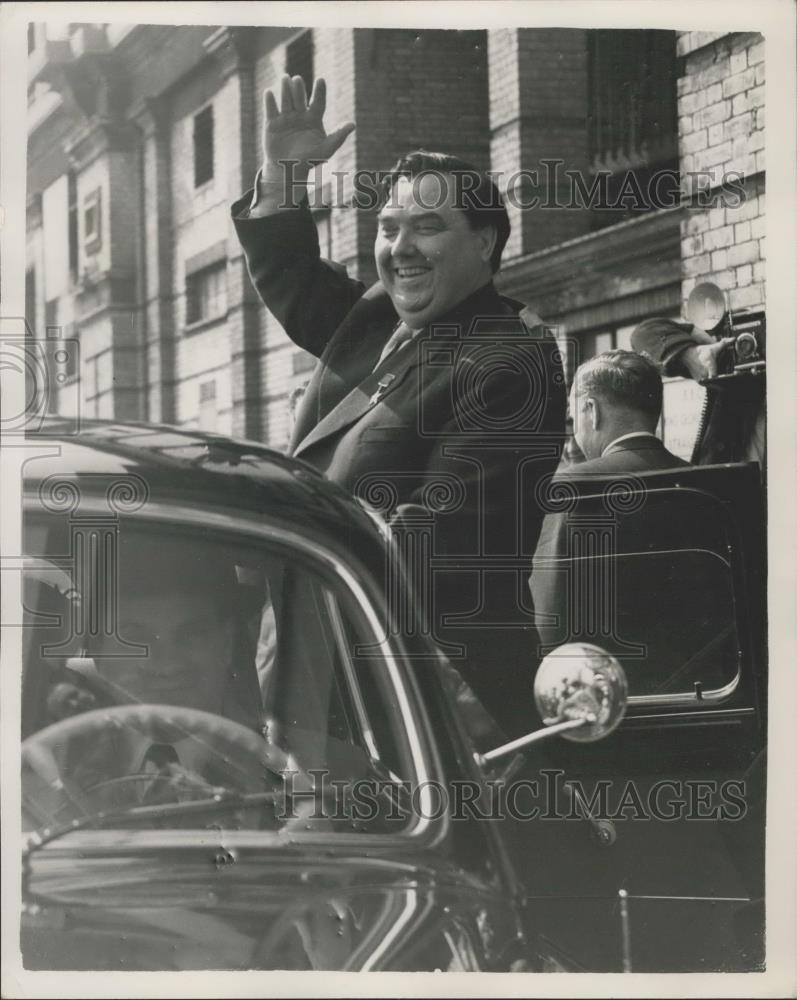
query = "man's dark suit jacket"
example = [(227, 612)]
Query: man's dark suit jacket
[(549, 581), (637, 454), (469, 417)]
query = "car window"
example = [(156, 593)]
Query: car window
[(198, 624), (653, 584)]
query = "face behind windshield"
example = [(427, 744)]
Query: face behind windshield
[(175, 609), (196, 623)]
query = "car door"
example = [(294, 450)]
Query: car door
[(666, 572)]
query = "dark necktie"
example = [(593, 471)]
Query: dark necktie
[(401, 335)]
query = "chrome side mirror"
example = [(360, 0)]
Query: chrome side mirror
[(581, 693), (581, 681)]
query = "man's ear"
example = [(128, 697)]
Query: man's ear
[(487, 236), (595, 415)]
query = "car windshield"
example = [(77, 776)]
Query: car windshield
[(164, 666)]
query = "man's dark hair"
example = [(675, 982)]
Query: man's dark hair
[(622, 378), (475, 193)]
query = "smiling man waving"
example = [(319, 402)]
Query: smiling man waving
[(434, 397)]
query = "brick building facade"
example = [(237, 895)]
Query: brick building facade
[(140, 137)]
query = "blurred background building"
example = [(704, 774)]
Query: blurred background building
[(141, 136)]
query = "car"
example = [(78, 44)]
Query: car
[(240, 751)]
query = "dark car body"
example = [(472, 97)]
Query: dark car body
[(463, 893)]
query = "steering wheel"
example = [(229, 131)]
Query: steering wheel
[(95, 762)]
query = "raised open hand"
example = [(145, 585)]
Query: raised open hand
[(295, 133)]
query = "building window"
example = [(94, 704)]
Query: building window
[(92, 222), (299, 58), (31, 38), (203, 146), (206, 294), (632, 118)]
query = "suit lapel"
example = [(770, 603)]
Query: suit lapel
[(349, 359), (357, 402), (360, 400)]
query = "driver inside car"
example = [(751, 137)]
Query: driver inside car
[(179, 636), (180, 608), (173, 634)]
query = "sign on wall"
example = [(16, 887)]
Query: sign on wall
[(681, 413)]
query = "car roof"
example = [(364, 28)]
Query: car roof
[(186, 465)]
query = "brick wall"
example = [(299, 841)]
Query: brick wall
[(538, 111), (417, 89), (721, 116)]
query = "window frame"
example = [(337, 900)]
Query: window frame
[(92, 208), (588, 491), (194, 294), (296, 55), (204, 155)]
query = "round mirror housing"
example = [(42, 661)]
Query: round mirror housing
[(581, 681)]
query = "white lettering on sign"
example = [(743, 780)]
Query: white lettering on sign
[(681, 413)]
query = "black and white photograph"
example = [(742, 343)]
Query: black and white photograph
[(397, 543)]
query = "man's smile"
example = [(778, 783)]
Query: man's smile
[(411, 272)]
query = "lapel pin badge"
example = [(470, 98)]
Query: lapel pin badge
[(382, 386)]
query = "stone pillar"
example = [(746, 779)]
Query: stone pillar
[(538, 112), (157, 278), (233, 50), (108, 317)]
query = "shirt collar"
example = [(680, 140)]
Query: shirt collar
[(626, 437), (485, 301)]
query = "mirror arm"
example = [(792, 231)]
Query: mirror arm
[(523, 741)]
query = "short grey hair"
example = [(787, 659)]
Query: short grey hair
[(622, 378)]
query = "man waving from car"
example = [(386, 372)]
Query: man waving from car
[(433, 397)]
